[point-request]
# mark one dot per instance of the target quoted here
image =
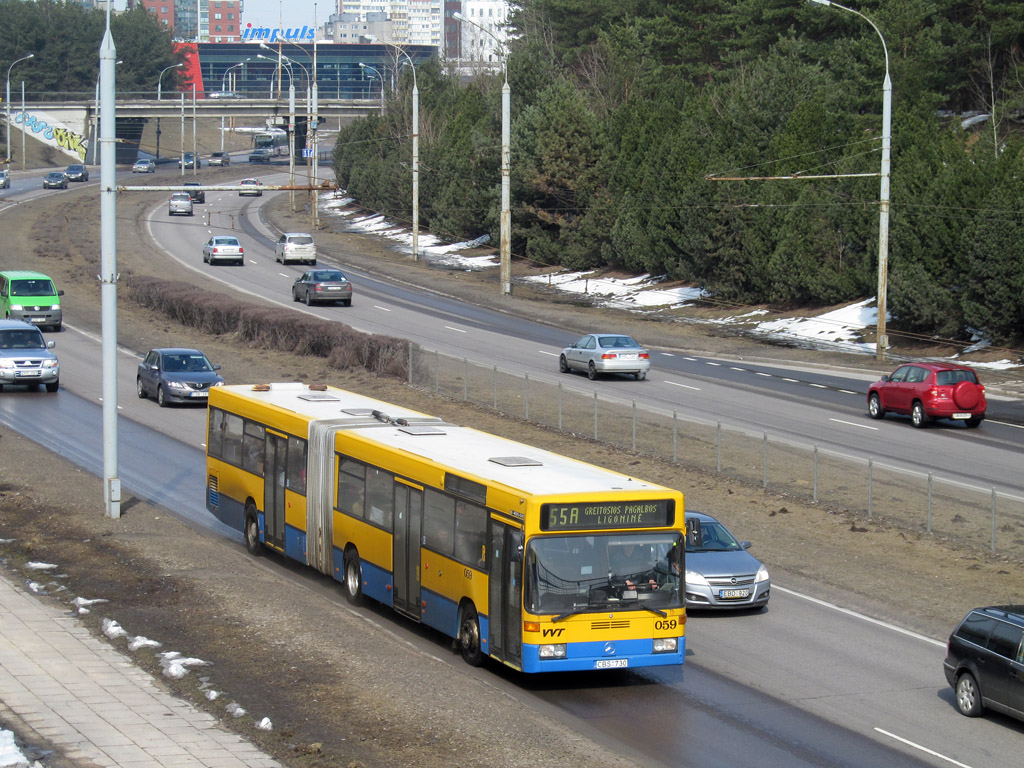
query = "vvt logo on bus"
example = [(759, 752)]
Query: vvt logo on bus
[(273, 35)]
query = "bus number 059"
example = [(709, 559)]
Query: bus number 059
[(667, 624)]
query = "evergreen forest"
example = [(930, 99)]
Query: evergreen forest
[(624, 113)]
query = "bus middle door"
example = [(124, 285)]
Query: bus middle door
[(406, 549), (505, 590), (273, 488)]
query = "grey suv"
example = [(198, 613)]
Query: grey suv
[(25, 357), (985, 661)]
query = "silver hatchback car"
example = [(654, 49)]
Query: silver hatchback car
[(180, 204), (598, 353), (720, 573)]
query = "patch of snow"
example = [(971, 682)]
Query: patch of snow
[(621, 293), (112, 629), (10, 755), (265, 724), (234, 709), (34, 565), (139, 641), (840, 326)]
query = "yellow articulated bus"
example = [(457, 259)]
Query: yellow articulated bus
[(539, 561)]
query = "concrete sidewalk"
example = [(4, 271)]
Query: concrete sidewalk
[(88, 701)]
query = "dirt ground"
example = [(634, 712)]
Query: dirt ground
[(336, 686)]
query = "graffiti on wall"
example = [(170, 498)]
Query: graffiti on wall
[(49, 131)]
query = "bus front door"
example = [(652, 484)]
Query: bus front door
[(406, 549), (504, 597), (276, 463)]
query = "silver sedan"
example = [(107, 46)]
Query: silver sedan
[(598, 353)]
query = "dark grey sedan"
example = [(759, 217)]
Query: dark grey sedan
[(720, 572), (77, 173), (55, 180), (176, 375), (598, 353), (322, 285)]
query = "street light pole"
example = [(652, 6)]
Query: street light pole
[(505, 249), (7, 104), (381, 77), (160, 80), (882, 339)]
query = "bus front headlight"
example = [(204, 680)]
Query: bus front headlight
[(553, 651), (665, 644)]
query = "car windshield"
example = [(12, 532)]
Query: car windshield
[(336, 277), (21, 339), (249, 182), (955, 377), (225, 241), (76, 168), (55, 175), (579, 574), (609, 342), (180, 196), (710, 536), (192, 362), (300, 240), (32, 287)]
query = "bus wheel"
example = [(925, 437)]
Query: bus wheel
[(252, 530), (353, 578), (469, 637)]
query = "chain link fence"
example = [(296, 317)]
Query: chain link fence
[(975, 517)]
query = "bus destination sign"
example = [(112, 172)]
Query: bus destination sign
[(594, 515)]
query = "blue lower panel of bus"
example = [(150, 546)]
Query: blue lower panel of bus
[(376, 580), (229, 511), (294, 542), (443, 614), (620, 654)]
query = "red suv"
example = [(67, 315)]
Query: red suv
[(929, 391)]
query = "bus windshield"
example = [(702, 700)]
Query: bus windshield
[(566, 575)]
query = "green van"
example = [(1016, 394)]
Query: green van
[(31, 297)]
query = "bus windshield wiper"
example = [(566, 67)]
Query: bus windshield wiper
[(656, 611)]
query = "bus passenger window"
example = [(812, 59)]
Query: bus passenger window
[(351, 487), (470, 532), (380, 497), (297, 465), (438, 521), (254, 448), (230, 428)]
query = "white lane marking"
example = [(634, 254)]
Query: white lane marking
[(1005, 424), (794, 381), (854, 424), (759, 373), (715, 364), (666, 354), (691, 359), (847, 392), (819, 386), (684, 386), (284, 274), (383, 309), (861, 616), (734, 368), (931, 752), (458, 330), (545, 352)]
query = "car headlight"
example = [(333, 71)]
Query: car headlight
[(762, 575), (50, 364), (4, 363), (698, 580), (176, 384), (17, 307), (218, 384), (553, 651), (665, 644)]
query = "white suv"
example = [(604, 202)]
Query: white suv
[(295, 246)]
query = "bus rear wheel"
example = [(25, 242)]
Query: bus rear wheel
[(469, 637), (353, 578), (252, 530)]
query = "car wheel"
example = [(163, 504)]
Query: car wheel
[(295, 295), (563, 364), (206, 259), (875, 409), (975, 421), (252, 530), (469, 637), (640, 375), (353, 578), (312, 263), (53, 386), (240, 263), (160, 399), (140, 390), (591, 371), (917, 415), (347, 303), (309, 301), (968, 697)]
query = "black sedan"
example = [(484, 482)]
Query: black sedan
[(176, 375), (77, 173), (55, 180), (261, 155), (322, 285)]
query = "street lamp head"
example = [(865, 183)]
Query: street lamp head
[(821, 2)]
